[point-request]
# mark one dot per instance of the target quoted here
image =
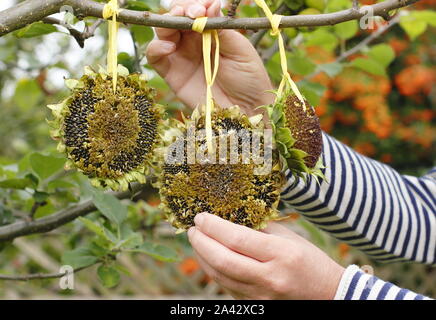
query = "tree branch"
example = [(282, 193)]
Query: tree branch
[(23, 228), (34, 276), (30, 11)]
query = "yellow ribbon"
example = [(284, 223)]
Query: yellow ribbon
[(210, 76), (111, 9), (275, 31)]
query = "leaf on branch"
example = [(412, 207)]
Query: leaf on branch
[(98, 229), (382, 53), (369, 65), (321, 37), (142, 34), (346, 30), (157, 251), (312, 91), (412, 25), (27, 94), (108, 276), (80, 257), (45, 165), (35, 29), (16, 183), (109, 206), (300, 65), (332, 69)]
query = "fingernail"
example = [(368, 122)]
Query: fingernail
[(198, 219), (191, 232), (195, 11)]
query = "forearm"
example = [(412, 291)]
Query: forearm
[(369, 205), (357, 285)]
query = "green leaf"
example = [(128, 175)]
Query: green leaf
[(15, 183), (332, 69), (98, 229), (80, 257), (369, 65), (110, 207), (40, 196), (346, 30), (312, 91), (413, 26), (137, 5), (126, 60), (59, 184), (142, 34), (6, 216), (132, 241), (157, 251), (382, 53), (34, 181), (428, 16), (108, 276), (274, 68), (45, 166), (44, 210), (294, 4), (300, 65), (336, 5), (27, 94), (35, 29), (321, 37)]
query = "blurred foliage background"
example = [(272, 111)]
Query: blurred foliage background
[(379, 100)]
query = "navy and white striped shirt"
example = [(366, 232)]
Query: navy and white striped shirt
[(390, 217)]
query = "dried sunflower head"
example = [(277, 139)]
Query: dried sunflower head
[(110, 137), (297, 133), (223, 183)]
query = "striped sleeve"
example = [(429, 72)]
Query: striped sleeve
[(357, 285), (369, 205)]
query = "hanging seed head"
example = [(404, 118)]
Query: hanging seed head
[(108, 136), (298, 134), (233, 190)]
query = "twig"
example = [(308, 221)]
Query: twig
[(30, 11), (361, 44), (233, 7), (79, 36), (34, 276), (53, 221), (137, 57)]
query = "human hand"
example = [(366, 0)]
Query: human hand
[(273, 264), (177, 56)]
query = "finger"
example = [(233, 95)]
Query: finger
[(157, 55), (224, 260), (277, 229), (226, 282), (251, 243), (171, 34), (192, 8), (213, 8)]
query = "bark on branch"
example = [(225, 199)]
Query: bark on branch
[(51, 222), (31, 11)]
